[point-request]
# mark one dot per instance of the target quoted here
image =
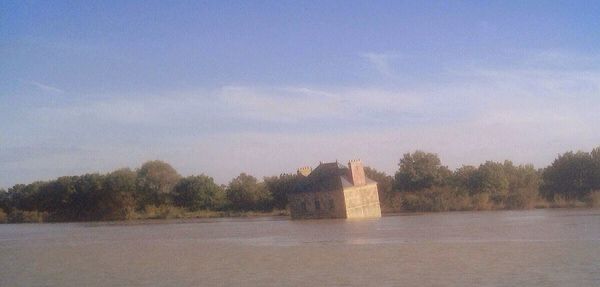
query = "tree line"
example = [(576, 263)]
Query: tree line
[(421, 183)]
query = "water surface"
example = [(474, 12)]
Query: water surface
[(504, 248)]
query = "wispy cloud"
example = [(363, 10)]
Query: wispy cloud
[(382, 62), (295, 104), (528, 113), (45, 87)]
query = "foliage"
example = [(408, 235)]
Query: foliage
[(481, 201), (279, 187), (436, 199), (117, 201), (465, 179), (491, 178), (155, 181), (246, 193), (198, 192), (25, 197), (593, 199), (3, 216), (420, 170), (162, 212), (491, 185), (157, 191), (572, 175), (4, 201), (20, 216)]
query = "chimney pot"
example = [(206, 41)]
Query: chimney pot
[(356, 172)]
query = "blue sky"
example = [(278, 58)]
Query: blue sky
[(222, 87)]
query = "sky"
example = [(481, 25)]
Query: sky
[(264, 87)]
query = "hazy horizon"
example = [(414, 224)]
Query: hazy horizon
[(264, 88)]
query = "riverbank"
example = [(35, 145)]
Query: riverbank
[(171, 212), (441, 200), (161, 212)]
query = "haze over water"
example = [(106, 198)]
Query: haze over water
[(506, 248)]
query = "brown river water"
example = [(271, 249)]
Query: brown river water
[(500, 248)]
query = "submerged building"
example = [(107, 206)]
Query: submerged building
[(332, 190)]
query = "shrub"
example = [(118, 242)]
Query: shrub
[(521, 199), (3, 216), (593, 199), (198, 192), (162, 212), (245, 193), (481, 201), (20, 216), (436, 199)]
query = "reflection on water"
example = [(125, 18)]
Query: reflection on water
[(507, 248)]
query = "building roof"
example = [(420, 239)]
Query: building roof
[(326, 177)]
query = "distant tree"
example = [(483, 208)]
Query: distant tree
[(279, 187), (522, 176), (155, 181), (4, 201), (84, 202), (572, 175), (25, 196), (523, 185), (595, 182), (464, 179), (246, 193), (55, 196), (419, 171), (198, 192), (491, 178), (92, 196), (117, 200)]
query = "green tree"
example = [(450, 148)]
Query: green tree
[(55, 196), (420, 170), (280, 186), (490, 178), (571, 175), (117, 199), (246, 193), (4, 201), (25, 196), (198, 192), (464, 179), (155, 181), (523, 185), (83, 203), (595, 182)]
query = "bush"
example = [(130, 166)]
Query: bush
[(521, 199), (245, 193), (436, 199), (593, 199), (20, 216), (3, 216), (162, 212), (197, 193), (481, 201), (560, 201)]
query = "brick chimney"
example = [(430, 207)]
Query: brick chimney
[(356, 172)]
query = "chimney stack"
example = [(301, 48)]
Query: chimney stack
[(356, 172)]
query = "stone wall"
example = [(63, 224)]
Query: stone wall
[(362, 201), (323, 204)]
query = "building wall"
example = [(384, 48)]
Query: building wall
[(322, 204), (362, 201)]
